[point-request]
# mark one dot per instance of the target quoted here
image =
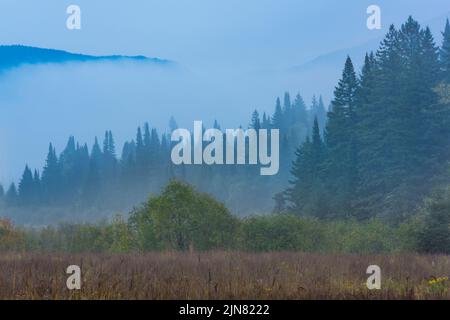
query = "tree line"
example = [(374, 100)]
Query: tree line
[(183, 219), (386, 143), (98, 180)]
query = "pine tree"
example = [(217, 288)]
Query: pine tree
[(378, 113), (26, 189), (277, 118), (321, 114), (341, 164), (51, 177), (172, 124), (11, 197), (37, 187), (445, 53), (93, 183), (111, 146), (300, 114), (255, 123), (109, 159), (147, 136), (317, 144), (306, 194), (140, 149), (96, 154), (287, 111), (265, 124), (216, 125), (70, 174), (81, 166)]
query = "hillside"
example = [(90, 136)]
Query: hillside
[(17, 55)]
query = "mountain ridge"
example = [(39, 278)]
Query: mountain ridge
[(12, 56)]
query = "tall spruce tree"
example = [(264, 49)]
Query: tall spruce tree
[(11, 196), (445, 53), (277, 118), (51, 177), (255, 122), (26, 189), (340, 138), (306, 194)]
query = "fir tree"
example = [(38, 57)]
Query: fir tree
[(445, 53), (277, 118), (51, 177), (341, 164), (265, 124), (26, 189), (11, 197), (255, 123), (172, 124)]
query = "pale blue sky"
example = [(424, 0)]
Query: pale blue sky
[(207, 33)]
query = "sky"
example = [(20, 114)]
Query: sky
[(205, 33), (235, 56)]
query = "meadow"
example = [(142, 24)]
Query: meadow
[(223, 275)]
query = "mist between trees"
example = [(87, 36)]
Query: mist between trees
[(182, 219), (371, 160)]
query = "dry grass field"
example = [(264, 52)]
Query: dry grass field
[(222, 275)]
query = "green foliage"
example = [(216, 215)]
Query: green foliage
[(293, 233), (435, 235), (181, 218), (279, 232)]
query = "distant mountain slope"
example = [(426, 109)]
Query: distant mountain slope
[(17, 55), (320, 75)]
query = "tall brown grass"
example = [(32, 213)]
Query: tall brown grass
[(222, 275)]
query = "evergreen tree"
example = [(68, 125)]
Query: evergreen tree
[(287, 111), (26, 189), (300, 114), (277, 118), (11, 197), (255, 122), (92, 187), (109, 160), (445, 53), (265, 124), (70, 174), (341, 164), (140, 151), (306, 192), (321, 114), (147, 137), (37, 187), (96, 154), (172, 124), (216, 125), (51, 177)]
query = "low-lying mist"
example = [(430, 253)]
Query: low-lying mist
[(48, 103)]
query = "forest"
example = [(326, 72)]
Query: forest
[(380, 150)]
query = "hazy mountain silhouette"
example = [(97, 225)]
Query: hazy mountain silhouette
[(17, 55), (322, 73)]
